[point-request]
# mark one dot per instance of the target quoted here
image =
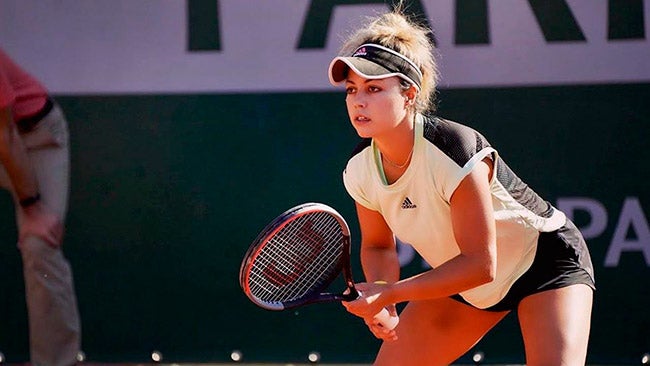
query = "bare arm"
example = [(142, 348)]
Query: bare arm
[(380, 263), (474, 229), (378, 251)]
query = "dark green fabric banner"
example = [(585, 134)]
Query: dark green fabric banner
[(169, 190)]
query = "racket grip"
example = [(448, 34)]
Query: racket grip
[(386, 320)]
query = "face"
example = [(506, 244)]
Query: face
[(375, 106)]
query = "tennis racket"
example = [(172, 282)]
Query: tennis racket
[(297, 256)]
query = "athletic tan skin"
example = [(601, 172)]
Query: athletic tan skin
[(435, 329)]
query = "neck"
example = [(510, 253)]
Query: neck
[(397, 148), (403, 165)]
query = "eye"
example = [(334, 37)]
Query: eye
[(374, 89), (350, 90)]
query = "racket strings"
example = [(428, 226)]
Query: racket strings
[(312, 277), (296, 261), (321, 270), (301, 256), (276, 286)]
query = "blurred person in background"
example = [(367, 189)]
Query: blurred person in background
[(35, 168)]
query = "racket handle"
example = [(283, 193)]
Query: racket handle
[(386, 320)]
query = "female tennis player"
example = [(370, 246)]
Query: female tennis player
[(493, 244)]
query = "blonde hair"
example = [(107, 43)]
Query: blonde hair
[(397, 32)]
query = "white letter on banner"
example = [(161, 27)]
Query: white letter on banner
[(596, 211), (632, 216)]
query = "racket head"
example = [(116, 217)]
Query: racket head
[(295, 257)]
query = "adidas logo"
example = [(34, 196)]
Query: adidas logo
[(360, 52), (408, 204)]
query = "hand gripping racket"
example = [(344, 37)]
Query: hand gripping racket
[(297, 256)]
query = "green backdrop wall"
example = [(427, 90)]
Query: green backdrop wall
[(168, 191)]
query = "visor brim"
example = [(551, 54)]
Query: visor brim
[(339, 67)]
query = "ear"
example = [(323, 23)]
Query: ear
[(410, 94)]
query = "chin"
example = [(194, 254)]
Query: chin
[(363, 134)]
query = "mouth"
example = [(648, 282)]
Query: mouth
[(361, 119)]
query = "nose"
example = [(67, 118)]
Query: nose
[(357, 101)]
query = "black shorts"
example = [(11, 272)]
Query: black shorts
[(562, 259)]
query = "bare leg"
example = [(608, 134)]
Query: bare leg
[(555, 325), (436, 332)]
